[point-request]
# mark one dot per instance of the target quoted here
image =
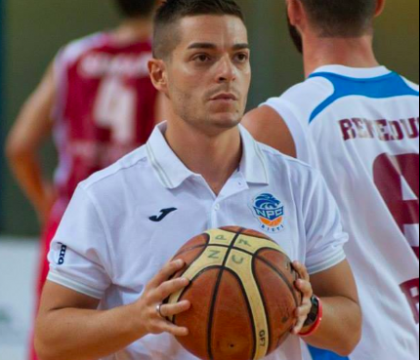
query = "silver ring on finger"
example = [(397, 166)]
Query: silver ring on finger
[(159, 311)]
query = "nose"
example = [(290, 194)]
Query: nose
[(226, 71)]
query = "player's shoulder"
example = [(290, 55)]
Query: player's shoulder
[(314, 90), (76, 48), (301, 99), (107, 179), (411, 84)]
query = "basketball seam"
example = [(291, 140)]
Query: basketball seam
[(255, 236), (185, 270), (251, 315), (215, 293), (227, 247), (264, 304), (193, 248), (191, 284), (272, 267)]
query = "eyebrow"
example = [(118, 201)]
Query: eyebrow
[(210, 46)]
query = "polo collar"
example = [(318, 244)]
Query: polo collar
[(172, 172), (254, 162)]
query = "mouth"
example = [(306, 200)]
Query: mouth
[(228, 97)]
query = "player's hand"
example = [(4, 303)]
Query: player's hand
[(159, 289), (305, 287)]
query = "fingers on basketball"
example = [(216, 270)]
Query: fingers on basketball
[(169, 270)]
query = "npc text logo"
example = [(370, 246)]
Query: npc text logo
[(270, 213)]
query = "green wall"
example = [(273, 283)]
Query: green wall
[(36, 29)]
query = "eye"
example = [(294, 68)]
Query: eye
[(242, 57), (202, 58)]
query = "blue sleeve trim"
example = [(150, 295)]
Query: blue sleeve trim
[(318, 354), (383, 87)]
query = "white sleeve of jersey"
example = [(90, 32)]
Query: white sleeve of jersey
[(80, 256), (325, 235), (298, 130)]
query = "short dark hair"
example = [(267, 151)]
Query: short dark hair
[(136, 8), (341, 18), (171, 11)]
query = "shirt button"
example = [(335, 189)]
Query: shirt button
[(217, 207)]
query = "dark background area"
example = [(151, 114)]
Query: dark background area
[(32, 31)]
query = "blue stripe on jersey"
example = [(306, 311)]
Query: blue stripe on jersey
[(382, 87), (318, 354)]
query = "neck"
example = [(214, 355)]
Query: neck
[(215, 158), (133, 30), (351, 52)]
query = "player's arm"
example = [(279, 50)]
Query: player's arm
[(32, 127), (268, 127), (331, 276), (340, 329), (70, 327)]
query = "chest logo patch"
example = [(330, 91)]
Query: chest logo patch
[(270, 213)]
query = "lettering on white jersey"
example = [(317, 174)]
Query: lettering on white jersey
[(384, 130)]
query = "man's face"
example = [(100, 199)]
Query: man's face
[(209, 72)]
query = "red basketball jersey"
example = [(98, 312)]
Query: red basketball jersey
[(105, 106)]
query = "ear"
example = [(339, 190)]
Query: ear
[(296, 13), (158, 75), (380, 6), (291, 11)]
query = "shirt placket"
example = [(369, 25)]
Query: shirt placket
[(235, 185)]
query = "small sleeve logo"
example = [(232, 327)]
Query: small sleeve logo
[(63, 251)]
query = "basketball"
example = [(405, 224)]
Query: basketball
[(242, 294)]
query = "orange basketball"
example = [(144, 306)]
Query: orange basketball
[(242, 294)]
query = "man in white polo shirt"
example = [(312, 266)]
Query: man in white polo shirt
[(199, 170)]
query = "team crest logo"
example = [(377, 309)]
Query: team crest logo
[(270, 213)]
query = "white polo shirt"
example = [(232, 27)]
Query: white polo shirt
[(126, 222)]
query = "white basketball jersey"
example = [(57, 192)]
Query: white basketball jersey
[(360, 127)]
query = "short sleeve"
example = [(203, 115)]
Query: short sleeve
[(298, 130), (325, 235), (79, 256)]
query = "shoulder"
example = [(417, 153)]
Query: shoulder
[(300, 100), (76, 48), (269, 127), (282, 122), (108, 180), (411, 84)]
